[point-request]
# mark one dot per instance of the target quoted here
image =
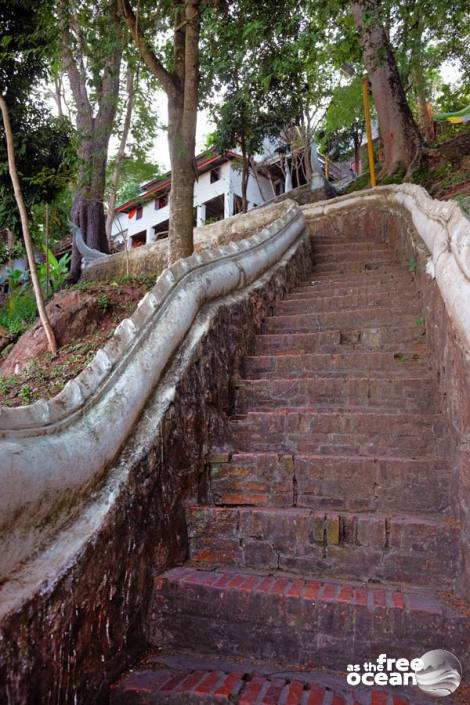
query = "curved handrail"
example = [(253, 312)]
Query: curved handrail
[(58, 449)]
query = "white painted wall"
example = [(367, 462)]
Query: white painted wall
[(229, 185)]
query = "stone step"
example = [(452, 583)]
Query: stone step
[(361, 256), (361, 433), (320, 303), (299, 621), (386, 264), (387, 279), (361, 288), (393, 338), (322, 482), (414, 394), (374, 317), (385, 274), (203, 680), (378, 364), (367, 547)]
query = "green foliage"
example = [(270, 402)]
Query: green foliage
[(16, 252), (412, 265), (18, 312), (42, 143), (52, 276), (104, 303)]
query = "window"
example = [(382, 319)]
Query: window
[(139, 212), (161, 202), (215, 175)]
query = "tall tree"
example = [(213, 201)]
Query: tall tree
[(180, 81), (401, 139), (91, 49)]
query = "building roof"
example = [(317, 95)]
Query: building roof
[(205, 161)]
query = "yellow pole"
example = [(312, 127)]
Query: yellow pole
[(327, 172), (370, 147)]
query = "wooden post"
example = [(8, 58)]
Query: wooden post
[(370, 146)]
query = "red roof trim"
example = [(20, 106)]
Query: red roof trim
[(157, 186)]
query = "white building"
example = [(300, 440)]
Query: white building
[(217, 195)]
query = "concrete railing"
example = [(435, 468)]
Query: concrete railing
[(443, 227), (54, 453)]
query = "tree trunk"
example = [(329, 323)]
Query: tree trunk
[(402, 142), (357, 153), (88, 206), (245, 176), (182, 148), (25, 227), (116, 175), (94, 129), (181, 85), (425, 119)]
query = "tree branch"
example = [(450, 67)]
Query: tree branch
[(151, 60)]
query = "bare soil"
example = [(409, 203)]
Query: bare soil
[(46, 375)]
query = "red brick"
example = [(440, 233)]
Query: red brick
[(173, 683), (231, 681), (397, 700), (224, 579), (378, 697), (265, 585), (190, 681), (279, 586), (398, 600), (251, 692), (295, 589), (338, 700), (360, 596), (236, 581), (328, 593), (379, 598), (311, 590), (273, 693), (345, 594), (208, 684), (295, 691), (315, 696), (249, 584)]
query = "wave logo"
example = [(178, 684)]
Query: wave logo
[(440, 673)]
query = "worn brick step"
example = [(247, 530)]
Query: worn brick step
[(372, 317), (325, 290), (324, 482), (406, 363), (202, 685), (366, 546), (332, 268), (351, 280), (320, 303), (361, 276), (355, 256), (311, 623), (413, 394), (346, 248), (384, 338), (365, 433)]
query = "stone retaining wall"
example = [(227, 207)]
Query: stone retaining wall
[(73, 615)]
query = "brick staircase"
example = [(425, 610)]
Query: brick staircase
[(323, 533)]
